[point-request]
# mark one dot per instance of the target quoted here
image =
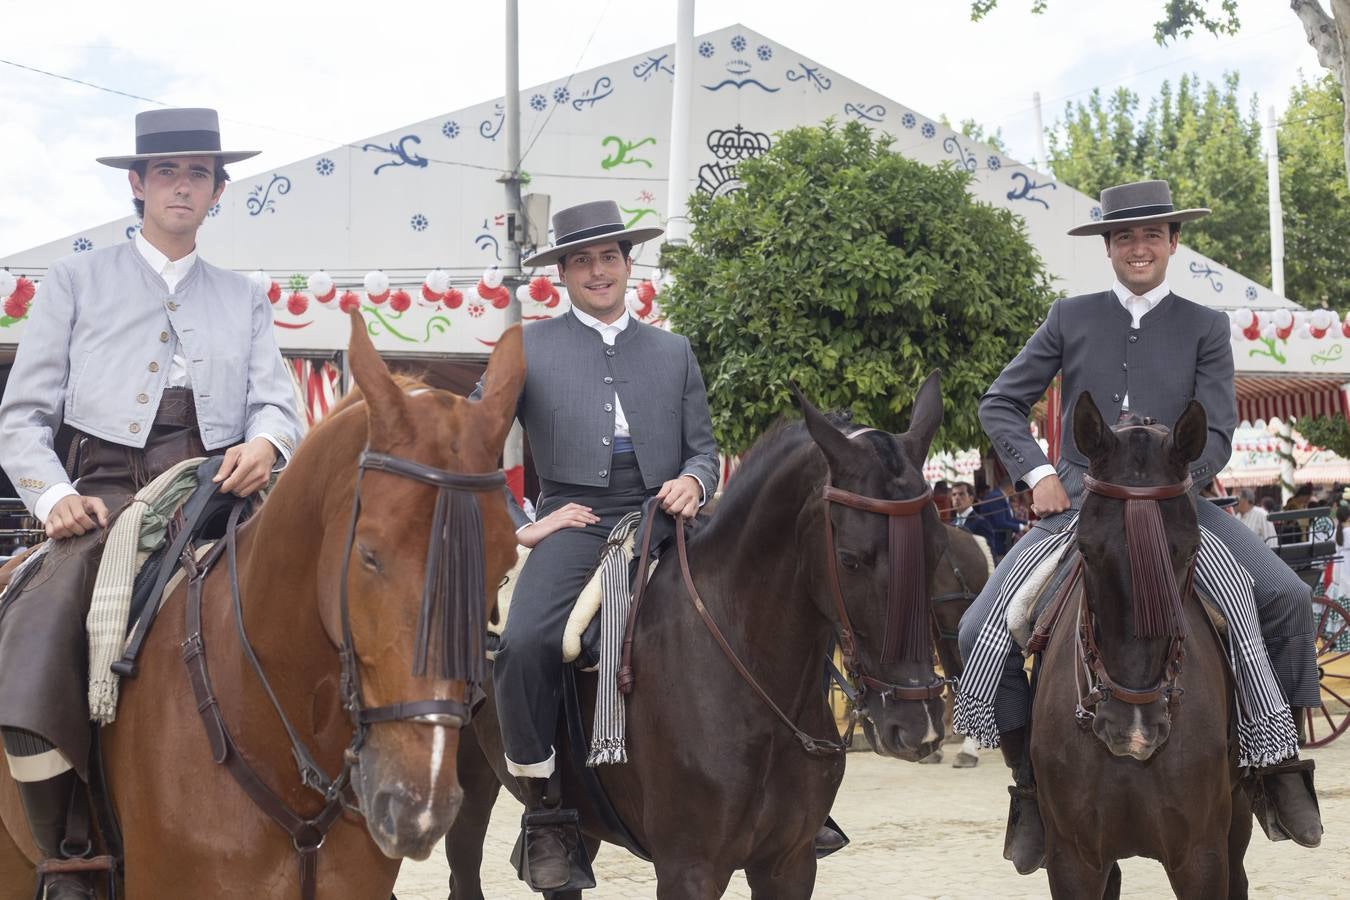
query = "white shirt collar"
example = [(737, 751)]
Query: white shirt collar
[(161, 263), (1124, 294), (590, 321)]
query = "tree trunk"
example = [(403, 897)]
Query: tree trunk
[(1330, 37)]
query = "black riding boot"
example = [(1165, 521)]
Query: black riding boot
[(47, 804), (1285, 802), (546, 865), (1024, 843)]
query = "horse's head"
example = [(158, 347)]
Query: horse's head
[(883, 537), (1138, 553), (417, 551)]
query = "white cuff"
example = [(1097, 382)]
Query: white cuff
[(531, 770), (283, 455), (50, 497), (1037, 474), (702, 491)]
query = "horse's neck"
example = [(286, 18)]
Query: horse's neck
[(757, 592)]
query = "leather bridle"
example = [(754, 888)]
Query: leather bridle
[(1100, 685), (455, 549)]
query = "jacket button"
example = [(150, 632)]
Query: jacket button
[(1124, 367), (134, 428), (163, 337), (154, 367), (609, 407), (604, 473), (605, 441), (609, 351), (609, 379), (172, 306), (1134, 339), (1115, 398), (142, 398)]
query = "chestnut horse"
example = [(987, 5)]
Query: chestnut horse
[(1155, 774), (188, 828), (715, 781)]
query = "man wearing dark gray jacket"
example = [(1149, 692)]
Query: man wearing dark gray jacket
[(616, 412), (1139, 349)]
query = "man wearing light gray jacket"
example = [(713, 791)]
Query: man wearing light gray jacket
[(152, 356)]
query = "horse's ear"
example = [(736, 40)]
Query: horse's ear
[(838, 449), (1190, 433), (1091, 434), (502, 382), (925, 419), (386, 405)]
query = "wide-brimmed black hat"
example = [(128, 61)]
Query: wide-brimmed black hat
[(164, 133), (1137, 203), (589, 223)]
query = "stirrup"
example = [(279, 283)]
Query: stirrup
[(50, 868), (1264, 808), (582, 877)]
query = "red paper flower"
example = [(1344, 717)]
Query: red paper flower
[(274, 292), (399, 301), (15, 307), (349, 302), (24, 290), (297, 303), (328, 297), (431, 296), (499, 296), (377, 299), (1252, 332), (454, 298)]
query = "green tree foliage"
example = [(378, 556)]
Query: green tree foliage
[(852, 271), (1200, 140), (1207, 143), (977, 132), (1329, 433), (1315, 198)]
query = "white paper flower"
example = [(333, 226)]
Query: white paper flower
[(438, 281), (376, 282), (320, 284)]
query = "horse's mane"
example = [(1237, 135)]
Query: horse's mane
[(405, 383)]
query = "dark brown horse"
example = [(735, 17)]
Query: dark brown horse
[(188, 828), (715, 781), (1156, 774)]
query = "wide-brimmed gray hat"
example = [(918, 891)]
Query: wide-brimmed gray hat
[(586, 224), (1138, 203), (164, 133)]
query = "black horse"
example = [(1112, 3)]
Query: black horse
[(1152, 776), (821, 537)]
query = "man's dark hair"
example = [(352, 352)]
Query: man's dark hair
[(1173, 229), (625, 247), (139, 167)]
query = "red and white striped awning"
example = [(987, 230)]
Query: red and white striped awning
[(1289, 396)]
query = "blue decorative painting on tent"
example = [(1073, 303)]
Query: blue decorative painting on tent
[(399, 150), (260, 199), (1025, 190)]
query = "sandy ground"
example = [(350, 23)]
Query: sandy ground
[(933, 831)]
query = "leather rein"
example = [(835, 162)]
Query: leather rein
[(308, 833), (1100, 685)]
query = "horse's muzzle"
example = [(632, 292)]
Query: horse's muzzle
[(1134, 731), (905, 729)]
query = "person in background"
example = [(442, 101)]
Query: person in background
[(992, 504), (1255, 517)]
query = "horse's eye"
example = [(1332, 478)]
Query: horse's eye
[(369, 559), (849, 560)]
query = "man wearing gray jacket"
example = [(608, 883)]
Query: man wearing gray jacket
[(1139, 349), (152, 356), (616, 412)]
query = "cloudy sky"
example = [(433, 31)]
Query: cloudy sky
[(294, 79)]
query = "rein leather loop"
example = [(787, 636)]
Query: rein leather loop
[(1136, 492)]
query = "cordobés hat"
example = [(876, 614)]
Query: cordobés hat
[(1138, 203), (589, 223), (164, 133)]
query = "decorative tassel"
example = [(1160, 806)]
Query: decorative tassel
[(1157, 602)]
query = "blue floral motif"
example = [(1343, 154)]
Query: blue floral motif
[(132, 229), (214, 211), (1025, 190), (1095, 213), (538, 103), (738, 44), (260, 199), (1251, 293), (602, 88), (1211, 274), (908, 120), (561, 95), (450, 129), (82, 244), (994, 163), (399, 149), (419, 222), (764, 52), (705, 49), (928, 129), (324, 166)]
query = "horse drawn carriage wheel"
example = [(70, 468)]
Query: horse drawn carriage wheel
[(1328, 721)]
